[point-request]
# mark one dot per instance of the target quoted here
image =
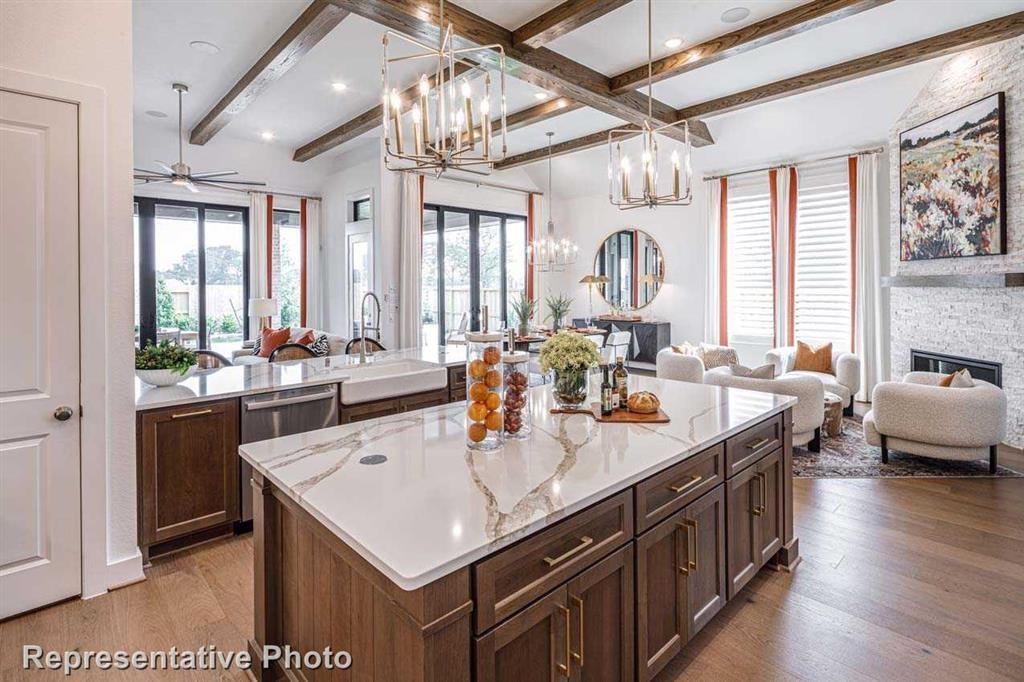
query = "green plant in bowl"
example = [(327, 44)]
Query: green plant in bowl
[(558, 309), (523, 307), (164, 363)]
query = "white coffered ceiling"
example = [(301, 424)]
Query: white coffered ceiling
[(302, 104)]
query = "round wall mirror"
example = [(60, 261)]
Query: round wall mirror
[(629, 269)]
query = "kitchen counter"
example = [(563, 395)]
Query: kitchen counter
[(407, 496), (239, 380)]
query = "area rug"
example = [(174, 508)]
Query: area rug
[(848, 456)]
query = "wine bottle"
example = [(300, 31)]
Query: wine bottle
[(606, 392), (621, 381)]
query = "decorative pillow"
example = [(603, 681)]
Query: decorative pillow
[(959, 379), (321, 346), (809, 359), (305, 339), (270, 339), (762, 372), (256, 346), (686, 349), (716, 356)]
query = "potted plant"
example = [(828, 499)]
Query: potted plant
[(164, 364), (523, 308), (570, 356), (558, 309)]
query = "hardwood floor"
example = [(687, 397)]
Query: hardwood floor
[(900, 579)]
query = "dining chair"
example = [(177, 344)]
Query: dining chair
[(209, 359), (291, 351)]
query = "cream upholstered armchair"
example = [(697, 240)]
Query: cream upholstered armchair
[(679, 367), (809, 412), (844, 382), (920, 417)]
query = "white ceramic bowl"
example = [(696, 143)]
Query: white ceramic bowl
[(163, 377)]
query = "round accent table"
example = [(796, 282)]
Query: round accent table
[(833, 425)]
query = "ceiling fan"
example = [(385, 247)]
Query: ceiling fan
[(181, 175)]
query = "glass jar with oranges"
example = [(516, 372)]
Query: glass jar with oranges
[(484, 410)]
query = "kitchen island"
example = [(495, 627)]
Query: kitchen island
[(588, 550)]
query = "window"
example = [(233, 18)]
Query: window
[(471, 259), (287, 269), (361, 209), (749, 268), (191, 276), (822, 284)]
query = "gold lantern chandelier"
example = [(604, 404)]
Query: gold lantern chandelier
[(443, 113), (652, 190), (549, 254)]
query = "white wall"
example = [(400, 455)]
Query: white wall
[(839, 119), (90, 43)]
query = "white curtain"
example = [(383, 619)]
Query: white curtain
[(868, 333), (782, 194), (258, 252), (713, 223), (314, 267), (410, 323)]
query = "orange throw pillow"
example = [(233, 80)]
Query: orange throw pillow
[(306, 339), (270, 339), (810, 359)]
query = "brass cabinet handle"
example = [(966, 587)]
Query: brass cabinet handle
[(685, 525), (585, 542), (764, 490), (183, 415), (696, 540), (759, 443), (564, 668), (579, 605), (694, 480), (756, 509)]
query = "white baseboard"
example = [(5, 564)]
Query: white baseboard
[(124, 572)]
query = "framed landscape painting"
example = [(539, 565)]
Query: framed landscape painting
[(952, 184)]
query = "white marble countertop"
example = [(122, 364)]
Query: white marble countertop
[(239, 380), (435, 506)]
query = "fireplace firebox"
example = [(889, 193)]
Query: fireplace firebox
[(927, 361)]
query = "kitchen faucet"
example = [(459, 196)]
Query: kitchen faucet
[(362, 323)]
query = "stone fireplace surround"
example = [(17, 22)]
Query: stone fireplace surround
[(963, 320)]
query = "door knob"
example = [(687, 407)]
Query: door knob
[(63, 413)]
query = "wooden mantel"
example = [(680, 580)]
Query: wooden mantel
[(1002, 280)]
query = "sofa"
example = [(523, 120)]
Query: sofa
[(245, 355), (843, 382), (809, 412), (678, 366), (920, 417)]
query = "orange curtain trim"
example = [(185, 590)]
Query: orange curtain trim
[(529, 241)]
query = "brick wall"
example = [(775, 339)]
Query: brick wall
[(979, 323)]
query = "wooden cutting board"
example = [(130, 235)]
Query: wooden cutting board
[(618, 416)]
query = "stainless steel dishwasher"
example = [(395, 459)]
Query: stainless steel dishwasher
[(283, 413)]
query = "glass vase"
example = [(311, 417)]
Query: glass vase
[(570, 387), (484, 383)]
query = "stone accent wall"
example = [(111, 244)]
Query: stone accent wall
[(978, 323)]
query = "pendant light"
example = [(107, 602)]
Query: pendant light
[(549, 254), (443, 112), (652, 190)]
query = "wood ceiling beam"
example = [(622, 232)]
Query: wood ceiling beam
[(569, 16), (315, 22), (363, 123), (771, 30), (531, 115), (937, 46), (942, 45), (541, 67)]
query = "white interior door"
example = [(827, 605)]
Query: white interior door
[(40, 517)]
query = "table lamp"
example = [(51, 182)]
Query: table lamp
[(590, 281), (263, 309)]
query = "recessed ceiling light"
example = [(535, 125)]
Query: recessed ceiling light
[(673, 43), (267, 135), (338, 86), (204, 47), (540, 95), (156, 114), (731, 16)]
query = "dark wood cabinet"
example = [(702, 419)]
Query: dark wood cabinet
[(390, 406), (769, 521), (601, 620), (681, 580), (530, 646), (754, 512), (188, 470)]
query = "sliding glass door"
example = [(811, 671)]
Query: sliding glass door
[(471, 259), (192, 273)]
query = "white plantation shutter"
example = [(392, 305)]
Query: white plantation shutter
[(749, 246), (822, 291)]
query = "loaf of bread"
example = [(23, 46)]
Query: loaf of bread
[(643, 402)]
